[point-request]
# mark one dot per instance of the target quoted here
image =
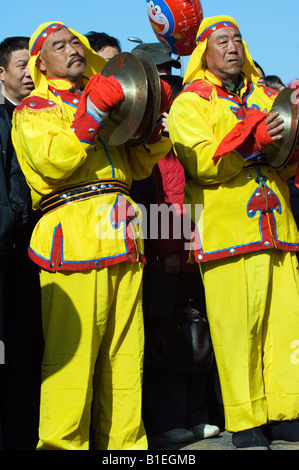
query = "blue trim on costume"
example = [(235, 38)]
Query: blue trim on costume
[(235, 109), (90, 260), (51, 252), (94, 117), (109, 159), (275, 208), (228, 99), (215, 24), (124, 222), (237, 106), (250, 157), (224, 249), (66, 102), (259, 188), (117, 227), (278, 210), (87, 142), (255, 106), (43, 33), (72, 262)]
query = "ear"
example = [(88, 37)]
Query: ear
[(2, 73), (40, 63)]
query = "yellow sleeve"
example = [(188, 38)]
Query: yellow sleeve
[(45, 144), (195, 141), (143, 158)]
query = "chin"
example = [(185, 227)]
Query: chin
[(235, 70), (26, 93), (234, 75)]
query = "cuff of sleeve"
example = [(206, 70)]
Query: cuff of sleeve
[(87, 127), (255, 142), (248, 149), (243, 136), (262, 138)]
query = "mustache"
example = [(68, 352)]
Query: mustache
[(74, 59)]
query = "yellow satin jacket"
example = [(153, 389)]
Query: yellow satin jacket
[(238, 203), (84, 234)]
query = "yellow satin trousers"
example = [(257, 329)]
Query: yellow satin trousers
[(92, 366), (253, 310)]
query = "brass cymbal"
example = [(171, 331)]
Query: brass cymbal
[(279, 152), (125, 119), (151, 113)]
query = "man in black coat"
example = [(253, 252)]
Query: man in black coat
[(22, 331), (6, 218), (6, 212)]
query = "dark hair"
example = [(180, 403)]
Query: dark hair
[(258, 65), (9, 45), (176, 83), (273, 81), (99, 40)]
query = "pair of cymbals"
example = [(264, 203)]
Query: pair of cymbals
[(279, 152), (134, 119)]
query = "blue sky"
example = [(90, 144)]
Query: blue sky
[(270, 27)]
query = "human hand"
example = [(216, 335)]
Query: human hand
[(165, 122), (274, 125)]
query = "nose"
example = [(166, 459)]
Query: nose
[(27, 73), (232, 48), (72, 50)]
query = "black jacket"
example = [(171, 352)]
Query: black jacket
[(15, 201), (6, 214)]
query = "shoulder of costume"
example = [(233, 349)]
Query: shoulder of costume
[(201, 88), (35, 103), (269, 91)]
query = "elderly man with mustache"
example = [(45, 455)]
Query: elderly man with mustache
[(86, 245)]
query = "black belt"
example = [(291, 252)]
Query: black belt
[(83, 191)]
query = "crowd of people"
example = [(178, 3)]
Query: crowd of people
[(80, 287)]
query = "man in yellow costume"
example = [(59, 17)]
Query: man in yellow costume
[(245, 238), (86, 244)]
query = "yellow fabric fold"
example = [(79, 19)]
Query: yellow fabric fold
[(196, 67), (94, 62)]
